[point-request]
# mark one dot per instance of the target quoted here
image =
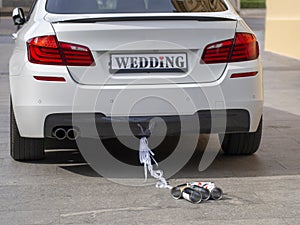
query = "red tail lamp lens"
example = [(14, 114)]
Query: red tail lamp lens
[(47, 50), (243, 47)]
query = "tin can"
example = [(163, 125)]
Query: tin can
[(215, 192), (176, 192), (192, 195), (204, 192)]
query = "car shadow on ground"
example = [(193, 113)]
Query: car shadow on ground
[(277, 154)]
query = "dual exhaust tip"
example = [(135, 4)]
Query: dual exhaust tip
[(61, 133)]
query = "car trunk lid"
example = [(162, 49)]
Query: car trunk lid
[(145, 49)]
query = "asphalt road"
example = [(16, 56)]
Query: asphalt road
[(259, 189)]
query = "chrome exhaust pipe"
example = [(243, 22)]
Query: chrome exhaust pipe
[(72, 134), (60, 134)]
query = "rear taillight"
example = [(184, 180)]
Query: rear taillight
[(47, 50), (243, 47), (218, 52), (44, 50), (76, 55)]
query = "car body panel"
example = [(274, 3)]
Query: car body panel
[(96, 90), (146, 37)]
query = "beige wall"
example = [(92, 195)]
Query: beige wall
[(283, 27)]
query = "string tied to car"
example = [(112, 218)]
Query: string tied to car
[(194, 192)]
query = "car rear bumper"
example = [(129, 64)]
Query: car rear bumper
[(40, 107), (217, 121)]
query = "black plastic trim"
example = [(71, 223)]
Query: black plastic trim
[(237, 121), (145, 18)]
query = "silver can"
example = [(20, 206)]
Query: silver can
[(215, 192), (192, 195), (176, 192), (204, 192)]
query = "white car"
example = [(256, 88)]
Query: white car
[(75, 58)]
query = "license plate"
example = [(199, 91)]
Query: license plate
[(139, 63)]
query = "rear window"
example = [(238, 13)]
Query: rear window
[(133, 6)]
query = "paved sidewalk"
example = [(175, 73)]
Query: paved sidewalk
[(6, 26), (253, 13)]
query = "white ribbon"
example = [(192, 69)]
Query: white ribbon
[(146, 156)]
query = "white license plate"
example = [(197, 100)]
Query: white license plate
[(138, 63)]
